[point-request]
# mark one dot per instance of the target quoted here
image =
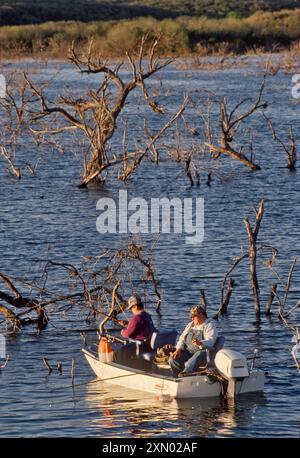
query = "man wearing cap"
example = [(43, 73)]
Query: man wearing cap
[(199, 335), (139, 327)]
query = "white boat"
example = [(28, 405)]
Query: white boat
[(230, 376)]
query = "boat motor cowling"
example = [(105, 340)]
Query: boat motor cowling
[(231, 364)]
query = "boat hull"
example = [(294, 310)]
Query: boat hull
[(197, 386)]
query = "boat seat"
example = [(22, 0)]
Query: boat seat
[(158, 340)]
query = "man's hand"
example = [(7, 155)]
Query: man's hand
[(123, 323), (176, 353), (197, 342)]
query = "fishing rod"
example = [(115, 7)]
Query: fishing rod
[(111, 338), (113, 318)]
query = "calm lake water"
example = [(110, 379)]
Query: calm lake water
[(48, 214)]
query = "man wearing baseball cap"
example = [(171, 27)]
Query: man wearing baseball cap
[(200, 334), (140, 326)]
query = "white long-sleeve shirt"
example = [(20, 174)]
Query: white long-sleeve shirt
[(210, 334)]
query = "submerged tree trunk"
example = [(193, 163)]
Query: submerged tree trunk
[(252, 235), (271, 299)]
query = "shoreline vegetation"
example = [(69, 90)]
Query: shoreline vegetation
[(181, 36), (16, 12)]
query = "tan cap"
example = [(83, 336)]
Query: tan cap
[(196, 311), (134, 300)]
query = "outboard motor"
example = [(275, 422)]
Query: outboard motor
[(232, 365)]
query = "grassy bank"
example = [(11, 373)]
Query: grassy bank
[(16, 12), (181, 36)]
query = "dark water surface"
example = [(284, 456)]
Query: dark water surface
[(47, 213)]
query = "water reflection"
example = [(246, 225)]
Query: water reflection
[(118, 412)]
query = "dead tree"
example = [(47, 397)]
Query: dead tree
[(10, 317), (224, 139), (18, 301), (181, 155), (227, 297), (15, 103), (203, 301), (10, 160), (251, 254), (286, 315), (290, 151), (112, 310), (95, 114), (271, 299), (98, 287), (13, 122), (252, 235), (286, 285)]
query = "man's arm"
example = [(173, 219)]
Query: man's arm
[(132, 328)]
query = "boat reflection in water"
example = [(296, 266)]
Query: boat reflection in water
[(119, 412)]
